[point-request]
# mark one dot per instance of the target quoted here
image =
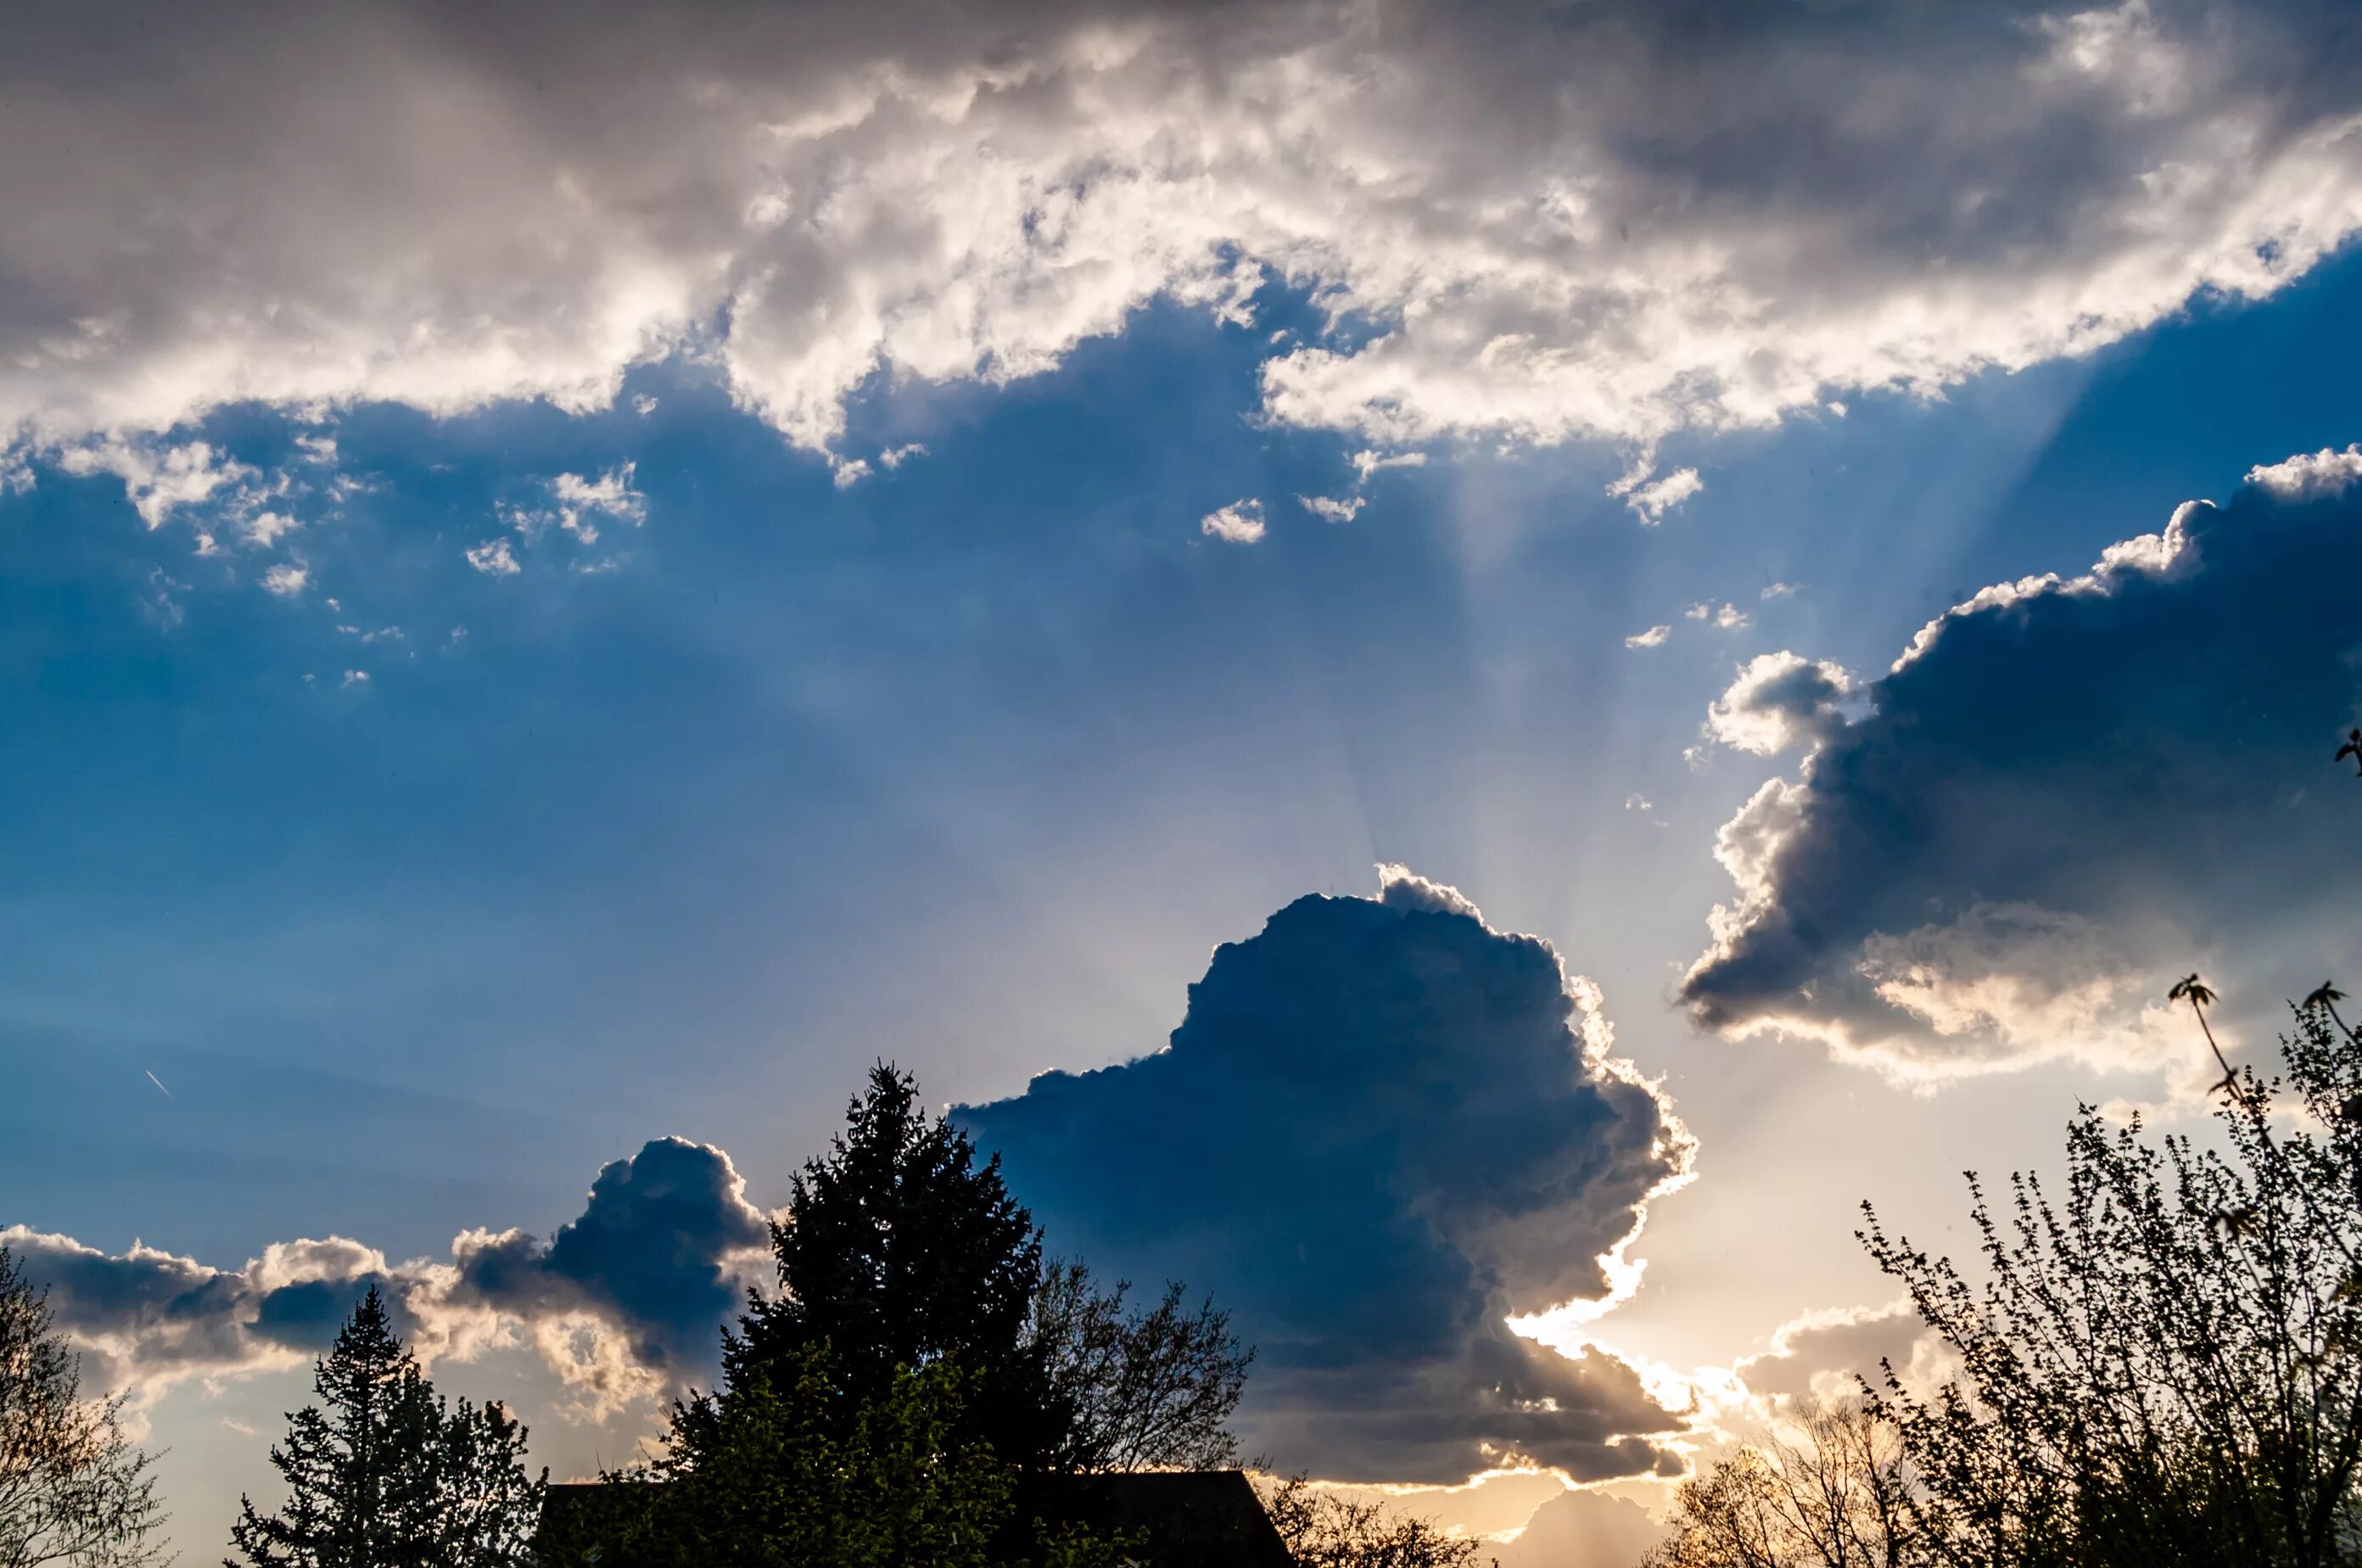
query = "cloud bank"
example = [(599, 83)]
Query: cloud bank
[(1381, 1127), (2066, 792), (626, 1300), (1616, 220)]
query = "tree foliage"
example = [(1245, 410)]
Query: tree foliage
[(785, 1480), (1831, 1490), (901, 1249), (1142, 1390), (1325, 1529), (785, 1483), (918, 1357), (382, 1472), (2163, 1365), (73, 1489)]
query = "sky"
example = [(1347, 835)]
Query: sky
[(1458, 670)]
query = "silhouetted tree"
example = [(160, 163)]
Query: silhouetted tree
[(1832, 1491), (901, 1249), (1325, 1529), (785, 1481), (1140, 1389), (898, 1249), (2167, 1366), (383, 1474), (73, 1489)]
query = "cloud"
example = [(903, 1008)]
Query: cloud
[(2066, 793), (1580, 1528), (1779, 702), (658, 1250), (1617, 221), (1382, 1128), (1778, 591), (494, 558), (610, 494), (1729, 618), (286, 581), (1653, 637), (1240, 523), (1823, 1353), (159, 478), (1652, 499), (625, 1300), (1367, 465), (2310, 476), (265, 529), (575, 504)]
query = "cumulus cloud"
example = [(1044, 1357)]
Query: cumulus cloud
[(1828, 1355), (1380, 1129), (1579, 1527), (1240, 523), (657, 1251), (1779, 702), (1653, 637), (1616, 221), (625, 1300), (286, 581), (2066, 793), (2308, 476)]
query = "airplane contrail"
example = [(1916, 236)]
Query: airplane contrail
[(159, 1084)]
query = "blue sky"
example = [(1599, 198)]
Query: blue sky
[(423, 891)]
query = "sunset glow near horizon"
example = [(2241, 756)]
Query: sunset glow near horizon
[(1458, 670)]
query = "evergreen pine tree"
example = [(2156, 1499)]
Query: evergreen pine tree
[(898, 1250), (380, 1473)]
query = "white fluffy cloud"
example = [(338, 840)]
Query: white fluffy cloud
[(1653, 637), (158, 478), (1619, 220), (1240, 523), (1780, 700), (2308, 476)]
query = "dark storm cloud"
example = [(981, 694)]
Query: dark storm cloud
[(1612, 219), (2069, 791), (1373, 1135), (627, 1300)]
